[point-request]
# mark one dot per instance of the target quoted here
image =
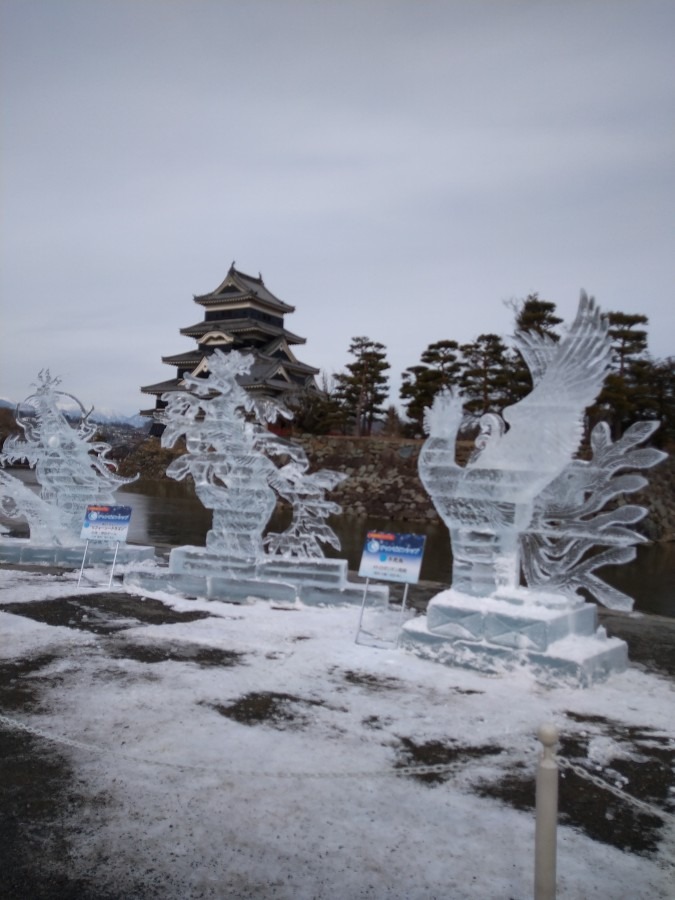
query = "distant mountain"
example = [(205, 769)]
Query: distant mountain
[(112, 417), (100, 416)]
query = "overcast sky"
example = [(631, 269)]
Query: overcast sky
[(393, 168)]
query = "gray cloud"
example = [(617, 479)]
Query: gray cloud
[(395, 169)]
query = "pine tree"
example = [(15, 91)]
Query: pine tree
[(629, 342), (316, 411), (646, 390), (531, 314), (392, 426), (363, 389), (440, 367), (485, 376), (623, 394), (662, 384)]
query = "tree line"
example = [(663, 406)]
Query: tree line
[(491, 376)]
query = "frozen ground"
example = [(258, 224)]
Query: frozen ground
[(250, 751)]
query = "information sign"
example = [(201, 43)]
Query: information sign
[(392, 557), (106, 523)]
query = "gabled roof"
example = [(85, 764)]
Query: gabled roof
[(187, 358), (237, 326), (278, 349), (192, 358), (162, 386), (287, 363), (279, 346), (216, 337), (265, 372), (238, 286)]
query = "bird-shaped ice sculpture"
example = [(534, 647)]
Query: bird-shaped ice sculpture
[(488, 503)]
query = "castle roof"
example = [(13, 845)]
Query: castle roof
[(241, 325), (173, 384), (238, 287), (241, 313)]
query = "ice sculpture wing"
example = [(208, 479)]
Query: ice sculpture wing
[(578, 512), (537, 350), (546, 426), (444, 417)]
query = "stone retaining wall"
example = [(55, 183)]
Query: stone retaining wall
[(383, 481), (382, 475), (383, 478)]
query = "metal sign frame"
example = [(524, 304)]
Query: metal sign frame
[(390, 557)]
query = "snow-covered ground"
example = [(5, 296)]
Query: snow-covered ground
[(271, 776)]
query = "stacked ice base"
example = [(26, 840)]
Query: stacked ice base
[(22, 550), (198, 572), (557, 637)]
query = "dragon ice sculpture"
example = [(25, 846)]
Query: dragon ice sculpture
[(522, 504), (72, 471), (231, 458)]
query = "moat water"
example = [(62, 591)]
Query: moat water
[(168, 514)]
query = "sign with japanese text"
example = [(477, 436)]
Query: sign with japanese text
[(392, 557), (106, 523)]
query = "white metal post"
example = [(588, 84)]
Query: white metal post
[(547, 816), (86, 547), (112, 568), (402, 613), (363, 606)]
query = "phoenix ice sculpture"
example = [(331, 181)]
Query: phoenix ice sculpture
[(72, 470), (523, 506), (240, 468)]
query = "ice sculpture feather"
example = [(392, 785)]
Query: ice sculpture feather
[(443, 418), (579, 512), (537, 350), (545, 428)]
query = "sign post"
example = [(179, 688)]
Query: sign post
[(388, 556), (105, 524)]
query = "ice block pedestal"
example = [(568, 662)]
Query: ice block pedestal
[(26, 552), (556, 637), (197, 572)]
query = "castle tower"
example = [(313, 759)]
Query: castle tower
[(241, 314)]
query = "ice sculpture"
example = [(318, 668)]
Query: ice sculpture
[(18, 502), (523, 507), (229, 450), (231, 474), (240, 468), (306, 493), (71, 469), (578, 512)]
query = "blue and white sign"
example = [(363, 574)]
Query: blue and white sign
[(106, 523), (392, 557)]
